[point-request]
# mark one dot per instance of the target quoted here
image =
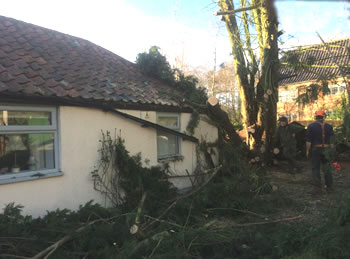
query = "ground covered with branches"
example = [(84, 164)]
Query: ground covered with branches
[(236, 211)]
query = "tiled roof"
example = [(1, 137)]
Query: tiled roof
[(325, 62), (36, 61)]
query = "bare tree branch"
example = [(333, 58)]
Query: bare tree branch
[(13, 256), (232, 12), (267, 222), (242, 211), (49, 250), (215, 171), (340, 67)]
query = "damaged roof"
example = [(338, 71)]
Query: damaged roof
[(43, 63), (324, 62)]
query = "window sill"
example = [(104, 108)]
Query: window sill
[(170, 158), (19, 177)]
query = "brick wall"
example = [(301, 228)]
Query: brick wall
[(297, 112)]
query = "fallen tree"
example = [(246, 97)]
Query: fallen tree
[(221, 118), (154, 221)]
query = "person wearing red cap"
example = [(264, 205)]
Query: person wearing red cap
[(319, 136)]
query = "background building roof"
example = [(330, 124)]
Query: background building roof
[(324, 63)]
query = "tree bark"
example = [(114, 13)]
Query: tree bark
[(225, 124), (269, 72), (246, 91), (233, 12), (258, 100)]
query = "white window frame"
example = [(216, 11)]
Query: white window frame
[(287, 95), (178, 139), (53, 128)]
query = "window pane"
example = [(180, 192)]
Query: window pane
[(334, 90), (24, 118), (26, 152), (170, 122), (167, 144)]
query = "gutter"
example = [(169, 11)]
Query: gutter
[(145, 123), (89, 104), (285, 77)]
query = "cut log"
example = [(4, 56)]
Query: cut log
[(251, 130), (212, 101), (276, 151), (221, 117)]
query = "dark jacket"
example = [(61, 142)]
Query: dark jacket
[(314, 133), (284, 136)]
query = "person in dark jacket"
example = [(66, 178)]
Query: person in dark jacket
[(285, 143), (319, 137)]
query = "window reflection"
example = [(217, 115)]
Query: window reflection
[(26, 152), (25, 118)]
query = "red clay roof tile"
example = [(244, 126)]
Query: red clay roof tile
[(43, 62), (6, 77)]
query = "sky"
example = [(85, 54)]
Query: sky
[(183, 29)]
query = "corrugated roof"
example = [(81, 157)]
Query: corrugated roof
[(325, 62), (35, 61)]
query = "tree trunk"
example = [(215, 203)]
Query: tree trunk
[(225, 124), (258, 102), (246, 92), (269, 71)]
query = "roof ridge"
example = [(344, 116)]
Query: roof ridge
[(41, 27), (44, 62), (318, 45), (64, 34), (323, 61)]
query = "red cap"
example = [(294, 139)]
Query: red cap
[(320, 113)]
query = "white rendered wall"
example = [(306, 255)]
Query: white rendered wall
[(79, 135), (204, 130)]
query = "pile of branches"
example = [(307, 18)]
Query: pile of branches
[(148, 218)]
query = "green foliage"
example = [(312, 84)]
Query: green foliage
[(342, 134), (343, 212), (336, 114), (202, 224), (292, 58), (29, 236), (193, 123), (185, 230), (133, 179), (201, 235), (155, 64), (238, 126), (234, 117), (326, 240), (311, 94)]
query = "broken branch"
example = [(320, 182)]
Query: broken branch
[(267, 222), (164, 221), (232, 12), (49, 250), (156, 237), (215, 171), (139, 209), (242, 211), (13, 256), (217, 114)]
